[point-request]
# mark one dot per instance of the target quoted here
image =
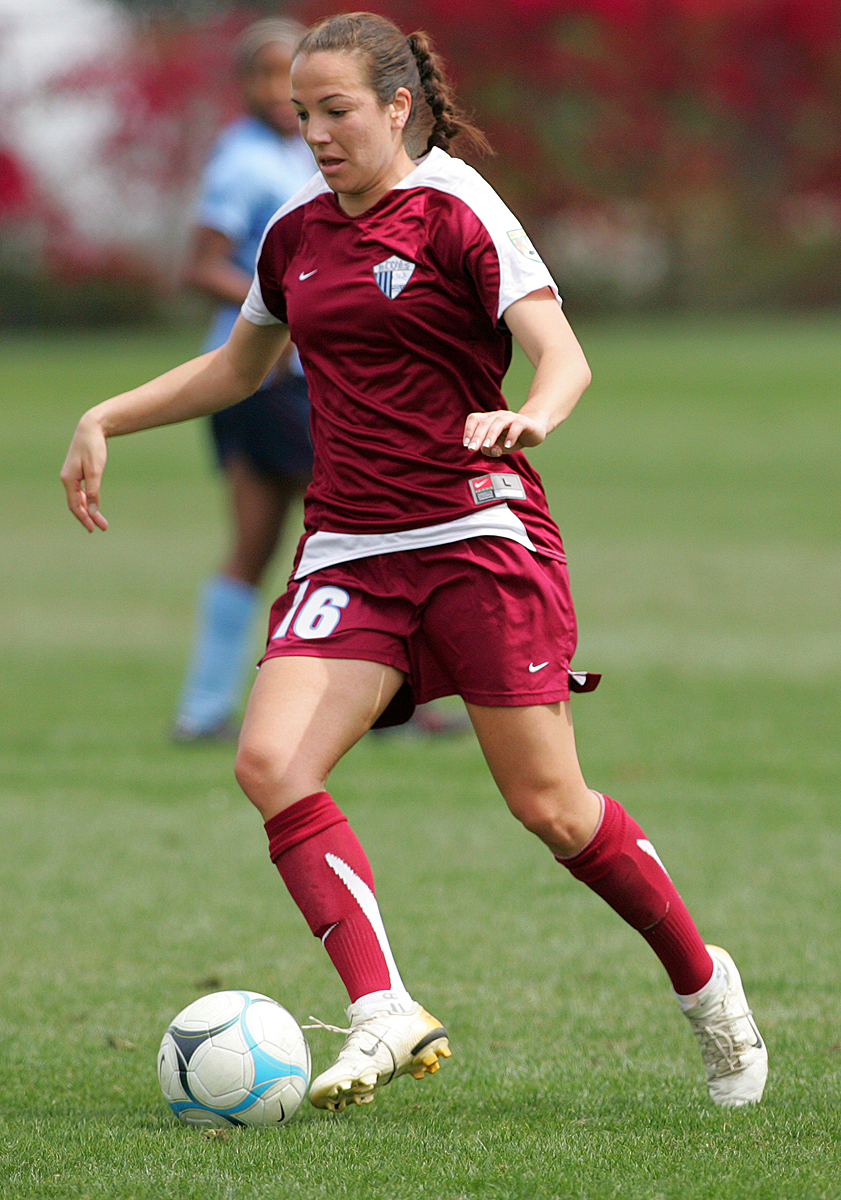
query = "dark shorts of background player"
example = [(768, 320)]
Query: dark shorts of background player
[(270, 430), (483, 618)]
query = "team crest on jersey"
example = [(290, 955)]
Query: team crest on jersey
[(393, 275), (522, 242)]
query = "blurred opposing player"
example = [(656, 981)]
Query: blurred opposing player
[(430, 564), (263, 443)]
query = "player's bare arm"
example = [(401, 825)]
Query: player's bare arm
[(196, 388), (561, 376)]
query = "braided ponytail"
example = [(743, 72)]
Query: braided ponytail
[(448, 120), (394, 61)]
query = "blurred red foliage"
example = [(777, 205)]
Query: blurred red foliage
[(716, 119)]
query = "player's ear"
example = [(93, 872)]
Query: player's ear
[(400, 108)]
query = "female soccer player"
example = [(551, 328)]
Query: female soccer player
[(429, 564)]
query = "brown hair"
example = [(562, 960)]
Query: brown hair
[(393, 61)]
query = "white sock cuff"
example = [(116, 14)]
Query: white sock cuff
[(712, 990), (391, 1001)]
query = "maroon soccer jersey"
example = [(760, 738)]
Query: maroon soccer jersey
[(397, 316)]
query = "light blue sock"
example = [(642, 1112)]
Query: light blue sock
[(220, 654)]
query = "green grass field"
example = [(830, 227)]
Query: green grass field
[(697, 490)]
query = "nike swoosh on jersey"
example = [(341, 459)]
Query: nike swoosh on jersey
[(306, 274), (537, 666)]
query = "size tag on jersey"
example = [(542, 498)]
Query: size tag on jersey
[(486, 488)]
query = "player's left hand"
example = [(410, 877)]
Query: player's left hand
[(82, 474), (503, 432)]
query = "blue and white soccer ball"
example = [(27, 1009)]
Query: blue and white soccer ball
[(234, 1058)]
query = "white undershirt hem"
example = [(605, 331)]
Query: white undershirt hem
[(325, 549)]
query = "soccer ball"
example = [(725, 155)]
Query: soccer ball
[(234, 1058)]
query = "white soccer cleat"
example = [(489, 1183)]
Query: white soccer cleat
[(734, 1054), (378, 1048)]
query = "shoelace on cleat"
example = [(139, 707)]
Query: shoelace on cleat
[(355, 1031), (323, 1025), (719, 1046)]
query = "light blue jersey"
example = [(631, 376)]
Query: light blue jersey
[(252, 171)]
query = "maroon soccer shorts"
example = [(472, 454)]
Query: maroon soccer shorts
[(482, 618)]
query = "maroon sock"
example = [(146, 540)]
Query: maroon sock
[(620, 864), (329, 878)]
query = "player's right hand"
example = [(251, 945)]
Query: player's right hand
[(82, 473)]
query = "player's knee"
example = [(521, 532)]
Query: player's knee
[(272, 779), (258, 774), (556, 818)]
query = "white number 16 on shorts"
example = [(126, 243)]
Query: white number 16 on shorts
[(314, 616)]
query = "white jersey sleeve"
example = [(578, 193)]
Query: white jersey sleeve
[(254, 309), (522, 270)]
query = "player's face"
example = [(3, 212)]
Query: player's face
[(357, 142), (268, 90)]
